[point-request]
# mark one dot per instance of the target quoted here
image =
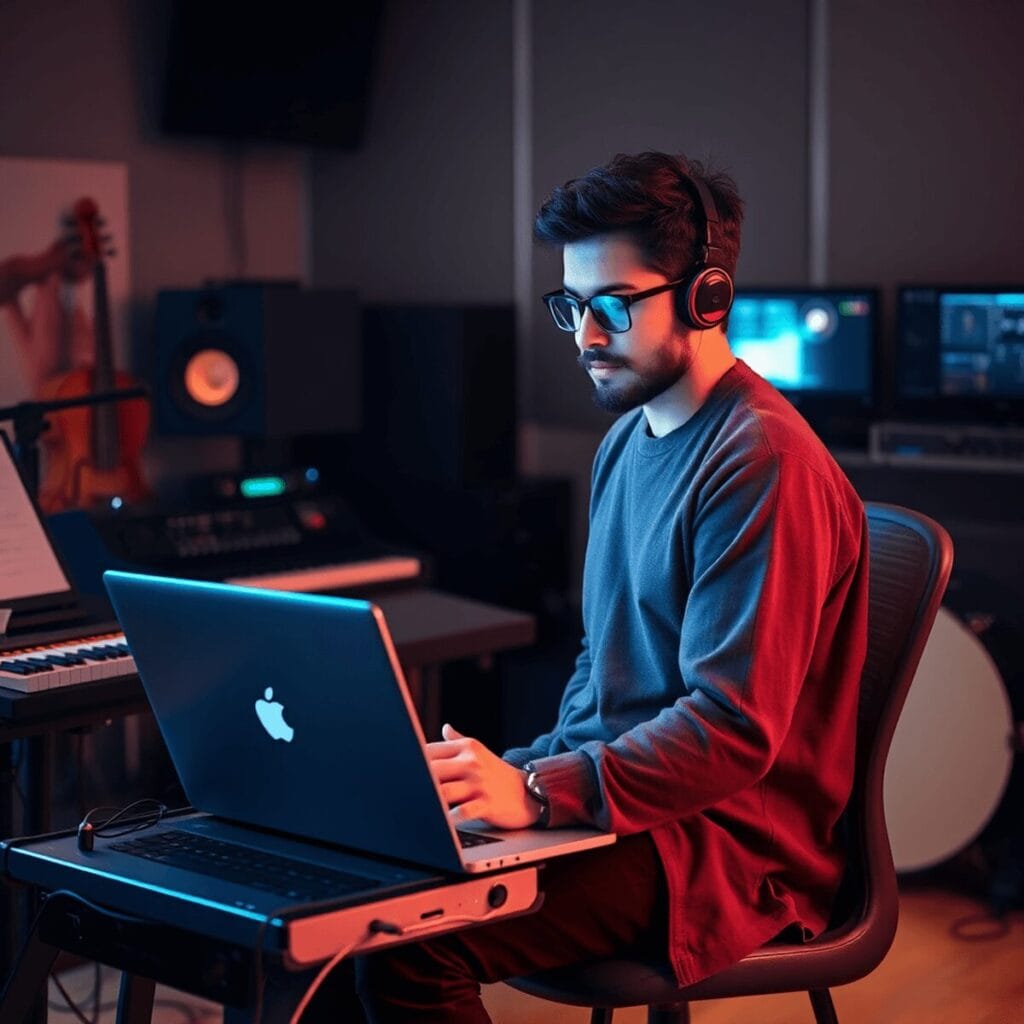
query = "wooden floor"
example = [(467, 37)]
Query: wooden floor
[(929, 977)]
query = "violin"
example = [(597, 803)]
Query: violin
[(93, 452)]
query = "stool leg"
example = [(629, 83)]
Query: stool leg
[(135, 1000), (821, 1003), (679, 1014)]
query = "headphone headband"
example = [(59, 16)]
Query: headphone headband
[(707, 202)]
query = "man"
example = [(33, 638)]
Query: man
[(710, 719)]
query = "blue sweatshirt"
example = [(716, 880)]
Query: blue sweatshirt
[(714, 699)]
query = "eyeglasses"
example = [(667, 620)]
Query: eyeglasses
[(610, 311)]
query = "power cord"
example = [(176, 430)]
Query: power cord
[(376, 926)]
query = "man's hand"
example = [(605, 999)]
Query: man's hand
[(476, 783)]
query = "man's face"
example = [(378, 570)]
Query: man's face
[(631, 368)]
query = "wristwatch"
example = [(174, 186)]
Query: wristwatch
[(536, 789)]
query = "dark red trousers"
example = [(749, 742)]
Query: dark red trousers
[(607, 901)]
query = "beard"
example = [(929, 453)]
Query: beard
[(637, 388)]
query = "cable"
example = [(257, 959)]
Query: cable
[(88, 831), (190, 1013), (983, 927), (131, 824), (375, 926), (73, 1006), (15, 772), (319, 979)]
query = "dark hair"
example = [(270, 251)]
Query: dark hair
[(647, 196)]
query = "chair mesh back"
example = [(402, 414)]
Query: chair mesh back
[(910, 561), (901, 569)]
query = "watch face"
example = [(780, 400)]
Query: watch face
[(536, 789)]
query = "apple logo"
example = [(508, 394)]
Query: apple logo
[(271, 715)]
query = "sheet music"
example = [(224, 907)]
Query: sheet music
[(28, 564)]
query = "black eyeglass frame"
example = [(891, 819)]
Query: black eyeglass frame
[(626, 300)]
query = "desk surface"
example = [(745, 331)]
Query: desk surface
[(256, 964), (231, 911), (429, 627)]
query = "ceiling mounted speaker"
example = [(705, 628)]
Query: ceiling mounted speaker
[(257, 361)]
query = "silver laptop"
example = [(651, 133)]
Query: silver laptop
[(290, 712)]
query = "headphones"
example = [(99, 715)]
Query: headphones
[(704, 298)]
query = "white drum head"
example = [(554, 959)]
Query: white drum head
[(950, 758)]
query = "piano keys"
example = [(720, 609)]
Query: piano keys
[(66, 663)]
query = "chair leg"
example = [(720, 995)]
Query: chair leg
[(678, 1014), (601, 1015), (821, 1003)]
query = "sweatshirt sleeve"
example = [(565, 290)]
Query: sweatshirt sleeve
[(542, 745), (763, 557)]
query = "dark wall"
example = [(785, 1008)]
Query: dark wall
[(926, 143), (724, 81), (422, 212), (926, 148)]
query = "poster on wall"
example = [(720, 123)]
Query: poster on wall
[(46, 296), (64, 294)]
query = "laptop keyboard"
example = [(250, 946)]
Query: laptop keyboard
[(468, 839), (290, 879)]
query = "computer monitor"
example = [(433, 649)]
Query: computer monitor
[(960, 353), (816, 345)]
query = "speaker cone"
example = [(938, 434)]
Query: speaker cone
[(212, 377)]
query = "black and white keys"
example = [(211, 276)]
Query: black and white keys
[(66, 663)]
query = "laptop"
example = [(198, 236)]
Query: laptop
[(290, 713)]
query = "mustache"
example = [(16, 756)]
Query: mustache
[(588, 358)]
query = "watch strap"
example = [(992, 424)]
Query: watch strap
[(535, 787)]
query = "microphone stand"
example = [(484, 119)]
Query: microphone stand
[(29, 419)]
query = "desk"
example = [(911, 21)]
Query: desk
[(429, 628), (217, 949)]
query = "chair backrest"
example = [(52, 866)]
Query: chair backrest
[(910, 560), (911, 557)]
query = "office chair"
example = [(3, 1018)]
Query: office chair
[(911, 557)]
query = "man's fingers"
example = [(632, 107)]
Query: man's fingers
[(451, 768), (469, 811), (456, 793), (439, 750)]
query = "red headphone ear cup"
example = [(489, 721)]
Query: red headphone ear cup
[(708, 298)]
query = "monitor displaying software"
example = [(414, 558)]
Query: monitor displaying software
[(960, 343), (808, 341)]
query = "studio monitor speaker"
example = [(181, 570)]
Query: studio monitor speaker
[(257, 361)]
